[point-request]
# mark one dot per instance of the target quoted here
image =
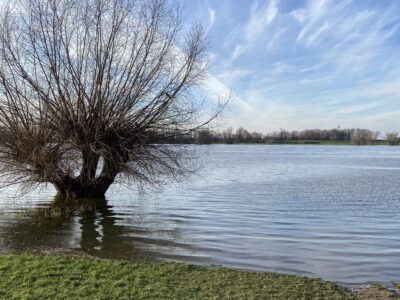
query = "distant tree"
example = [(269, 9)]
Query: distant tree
[(393, 138), (357, 136), (283, 135), (205, 136), (242, 135), (375, 136), (87, 87), (294, 135), (256, 137), (364, 137), (228, 135)]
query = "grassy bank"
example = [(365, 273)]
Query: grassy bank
[(39, 276), (31, 276)]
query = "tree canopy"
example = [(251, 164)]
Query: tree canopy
[(87, 88)]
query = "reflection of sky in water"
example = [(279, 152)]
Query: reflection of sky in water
[(330, 211)]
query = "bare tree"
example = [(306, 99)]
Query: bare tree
[(393, 138), (87, 88), (364, 137)]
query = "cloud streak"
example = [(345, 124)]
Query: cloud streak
[(311, 63)]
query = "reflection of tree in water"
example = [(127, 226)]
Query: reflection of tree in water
[(98, 231)]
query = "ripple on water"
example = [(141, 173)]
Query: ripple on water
[(327, 211)]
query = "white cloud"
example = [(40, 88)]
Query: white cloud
[(211, 15), (260, 17), (238, 51), (216, 89), (313, 37), (230, 75), (279, 67), (277, 34), (323, 64), (299, 15), (350, 109), (384, 122), (313, 13)]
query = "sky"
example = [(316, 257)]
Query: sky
[(298, 64)]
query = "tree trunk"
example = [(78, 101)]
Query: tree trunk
[(86, 185), (89, 165), (75, 188)]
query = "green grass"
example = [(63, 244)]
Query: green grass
[(36, 276), (377, 291)]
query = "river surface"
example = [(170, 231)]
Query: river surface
[(325, 211)]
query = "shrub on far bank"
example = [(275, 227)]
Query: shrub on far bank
[(393, 138)]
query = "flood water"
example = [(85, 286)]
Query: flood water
[(325, 211)]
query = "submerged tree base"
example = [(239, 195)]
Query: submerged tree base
[(73, 204), (82, 194), (73, 187)]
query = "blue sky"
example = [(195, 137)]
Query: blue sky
[(304, 64)]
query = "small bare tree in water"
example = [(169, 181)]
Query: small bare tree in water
[(364, 137), (393, 138), (88, 89)]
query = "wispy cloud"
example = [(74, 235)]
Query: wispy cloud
[(308, 63), (211, 14), (260, 17), (310, 16)]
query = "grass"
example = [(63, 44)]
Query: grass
[(376, 291), (38, 276)]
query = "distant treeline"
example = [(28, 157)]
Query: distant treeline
[(357, 136)]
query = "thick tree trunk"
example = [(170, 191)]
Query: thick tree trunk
[(89, 165), (76, 188), (86, 185)]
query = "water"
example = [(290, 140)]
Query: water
[(325, 211)]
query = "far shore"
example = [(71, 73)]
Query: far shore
[(306, 142), (325, 142)]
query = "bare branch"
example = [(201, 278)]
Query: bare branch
[(90, 85)]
